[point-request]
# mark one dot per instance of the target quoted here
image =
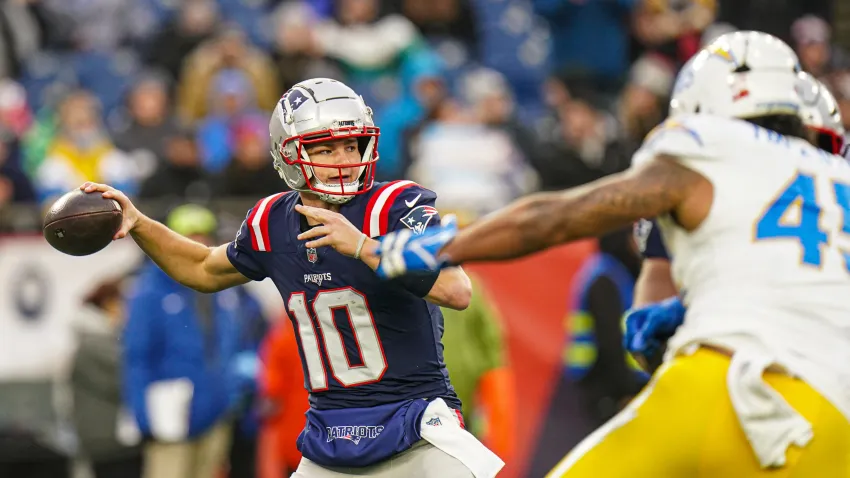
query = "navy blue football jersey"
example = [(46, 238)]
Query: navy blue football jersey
[(363, 341), (649, 240)]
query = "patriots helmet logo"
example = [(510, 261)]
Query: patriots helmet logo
[(296, 98), (434, 422), (418, 218), (352, 438)]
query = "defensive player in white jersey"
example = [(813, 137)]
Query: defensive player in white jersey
[(755, 383), (653, 319), (822, 117)]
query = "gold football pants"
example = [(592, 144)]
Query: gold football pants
[(683, 425)]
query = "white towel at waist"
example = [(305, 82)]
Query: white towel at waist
[(441, 428), (769, 422)]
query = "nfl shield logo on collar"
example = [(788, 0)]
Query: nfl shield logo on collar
[(312, 255)]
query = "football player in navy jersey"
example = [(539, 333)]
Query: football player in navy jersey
[(647, 330), (381, 401), (654, 282)]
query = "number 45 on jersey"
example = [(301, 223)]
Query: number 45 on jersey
[(801, 194)]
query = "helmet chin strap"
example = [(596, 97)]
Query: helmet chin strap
[(333, 198), (331, 189)]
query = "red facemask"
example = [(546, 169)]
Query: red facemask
[(367, 175)]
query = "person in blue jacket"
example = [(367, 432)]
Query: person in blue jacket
[(599, 376), (182, 380)]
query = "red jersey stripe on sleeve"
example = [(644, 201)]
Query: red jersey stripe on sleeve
[(259, 222)]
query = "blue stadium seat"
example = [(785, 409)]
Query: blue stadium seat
[(377, 92), (457, 59), (44, 76), (107, 75), (252, 16), (515, 42), (163, 10)]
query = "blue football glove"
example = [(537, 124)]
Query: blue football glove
[(647, 328), (402, 252)]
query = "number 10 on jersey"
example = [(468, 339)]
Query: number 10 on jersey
[(801, 194), (360, 319)]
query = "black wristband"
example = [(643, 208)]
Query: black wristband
[(419, 283)]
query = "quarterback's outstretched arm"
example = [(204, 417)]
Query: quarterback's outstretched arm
[(195, 265), (543, 220), (205, 269)]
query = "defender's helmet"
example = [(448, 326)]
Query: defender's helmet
[(744, 74), (315, 111), (820, 113)]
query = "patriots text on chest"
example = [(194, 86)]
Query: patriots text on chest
[(317, 278)]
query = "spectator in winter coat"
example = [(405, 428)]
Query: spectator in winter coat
[(82, 151), (180, 347), (107, 438)]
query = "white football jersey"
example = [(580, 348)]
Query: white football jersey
[(769, 267)]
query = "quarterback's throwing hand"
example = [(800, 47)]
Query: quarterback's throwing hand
[(404, 251), (130, 213), (336, 231)]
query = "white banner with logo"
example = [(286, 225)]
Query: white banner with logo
[(42, 289)]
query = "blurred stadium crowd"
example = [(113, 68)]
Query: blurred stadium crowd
[(482, 101)]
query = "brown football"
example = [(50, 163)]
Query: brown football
[(82, 223)]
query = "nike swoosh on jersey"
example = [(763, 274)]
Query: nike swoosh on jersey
[(413, 201)]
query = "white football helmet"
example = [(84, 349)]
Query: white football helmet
[(744, 74), (820, 113), (315, 111)]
